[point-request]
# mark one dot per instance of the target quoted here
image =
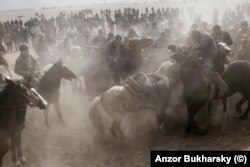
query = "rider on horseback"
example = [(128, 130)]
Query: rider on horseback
[(205, 44), (242, 41), (115, 55), (26, 66)]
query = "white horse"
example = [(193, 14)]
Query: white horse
[(140, 92)]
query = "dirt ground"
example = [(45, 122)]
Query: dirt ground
[(79, 145)]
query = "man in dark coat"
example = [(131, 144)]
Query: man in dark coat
[(115, 55), (205, 44), (221, 36)]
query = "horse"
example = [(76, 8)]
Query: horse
[(197, 87), (141, 92), (237, 78), (15, 95), (49, 86)]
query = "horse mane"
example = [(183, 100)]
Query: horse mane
[(48, 75), (50, 72)]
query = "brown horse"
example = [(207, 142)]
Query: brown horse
[(50, 84), (196, 91), (196, 86), (14, 96)]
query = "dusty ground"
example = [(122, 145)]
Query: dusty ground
[(78, 145)]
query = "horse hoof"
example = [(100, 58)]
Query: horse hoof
[(22, 159), (16, 164)]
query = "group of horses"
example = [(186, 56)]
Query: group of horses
[(138, 92), (185, 68), (16, 95)]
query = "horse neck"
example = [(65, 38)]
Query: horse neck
[(7, 112), (51, 80), (191, 74)]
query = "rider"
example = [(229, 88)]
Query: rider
[(221, 36), (99, 40), (242, 40), (205, 44), (26, 66), (64, 48), (115, 55)]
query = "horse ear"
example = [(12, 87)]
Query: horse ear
[(9, 81)]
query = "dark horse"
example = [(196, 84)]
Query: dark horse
[(49, 87), (14, 96), (237, 78), (197, 87)]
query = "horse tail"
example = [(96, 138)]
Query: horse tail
[(96, 107)]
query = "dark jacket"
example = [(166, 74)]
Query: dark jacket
[(223, 37)]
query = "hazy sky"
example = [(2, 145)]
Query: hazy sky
[(24, 4)]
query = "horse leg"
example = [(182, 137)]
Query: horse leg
[(14, 147), (59, 113), (239, 104), (193, 108), (224, 102), (22, 159), (46, 116), (245, 114), (4, 146), (95, 115), (115, 129), (162, 118)]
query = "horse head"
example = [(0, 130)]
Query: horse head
[(23, 95), (65, 72)]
